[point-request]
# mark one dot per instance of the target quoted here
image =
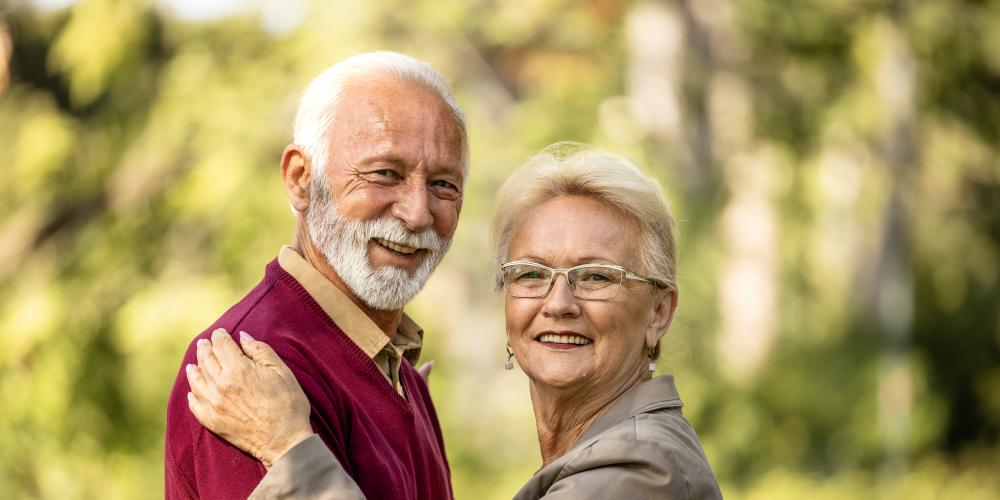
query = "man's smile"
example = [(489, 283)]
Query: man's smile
[(396, 247)]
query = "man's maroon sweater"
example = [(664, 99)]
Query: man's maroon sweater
[(390, 445)]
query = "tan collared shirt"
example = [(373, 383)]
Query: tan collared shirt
[(386, 353)]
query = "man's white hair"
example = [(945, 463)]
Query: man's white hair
[(318, 105)]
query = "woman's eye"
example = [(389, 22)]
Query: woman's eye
[(595, 276), (530, 275)]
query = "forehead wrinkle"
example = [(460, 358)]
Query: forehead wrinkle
[(563, 258), (367, 115), (371, 95), (380, 141), (393, 140), (565, 263), (419, 124), (443, 146)]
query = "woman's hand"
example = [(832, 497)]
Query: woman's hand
[(253, 402)]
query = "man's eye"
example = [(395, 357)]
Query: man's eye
[(384, 176), (386, 173), (443, 184)]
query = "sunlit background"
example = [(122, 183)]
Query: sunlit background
[(833, 166)]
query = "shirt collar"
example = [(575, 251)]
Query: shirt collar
[(347, 315), (409, 339), (654, 394)]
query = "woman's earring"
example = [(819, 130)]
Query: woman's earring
[(509, 365), (652, 360)]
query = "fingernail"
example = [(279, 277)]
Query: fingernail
[(189, 367), (202, 342), (245, 336)]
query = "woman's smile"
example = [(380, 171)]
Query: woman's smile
[(564, 340)]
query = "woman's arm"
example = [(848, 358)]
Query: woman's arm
[(253, 401), (307, 471), (612, 468)]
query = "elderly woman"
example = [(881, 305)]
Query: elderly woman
[(586, 257)]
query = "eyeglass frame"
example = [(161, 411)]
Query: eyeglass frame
[(660, 284)]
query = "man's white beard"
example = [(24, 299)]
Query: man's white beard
[(344, 243)]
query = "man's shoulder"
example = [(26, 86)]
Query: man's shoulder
[(270, 298), (261, 296), (194, 458), (229, 320)]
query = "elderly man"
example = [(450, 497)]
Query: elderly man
[(375, 176)]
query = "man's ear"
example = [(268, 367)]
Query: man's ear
[(296, 171), (663, 315)]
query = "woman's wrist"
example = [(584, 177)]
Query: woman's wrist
[(269, 457)]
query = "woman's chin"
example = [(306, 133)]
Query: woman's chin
[(559, 379)]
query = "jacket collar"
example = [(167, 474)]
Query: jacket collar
[(655, 394)]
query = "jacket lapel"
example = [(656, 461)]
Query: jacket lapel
[(654, 394)]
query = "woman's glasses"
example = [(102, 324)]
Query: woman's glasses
[(530, 280)]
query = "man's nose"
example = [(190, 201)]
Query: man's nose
[(413, 207), (560, 301)]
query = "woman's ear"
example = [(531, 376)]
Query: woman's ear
[(296, 171), (663, 315)]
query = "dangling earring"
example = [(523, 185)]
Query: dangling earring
[(509, 365), (652, 359)]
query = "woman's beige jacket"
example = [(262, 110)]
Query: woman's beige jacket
[(641, 447)]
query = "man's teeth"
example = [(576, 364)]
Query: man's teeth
[(565, 339), (395, 246)]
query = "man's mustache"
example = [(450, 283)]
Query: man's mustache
[(394, 230)]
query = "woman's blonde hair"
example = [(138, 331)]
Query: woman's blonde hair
[(568, 168)]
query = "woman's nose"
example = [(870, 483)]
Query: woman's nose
[(560, 301)]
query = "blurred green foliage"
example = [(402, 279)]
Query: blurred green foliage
[(833, 167)]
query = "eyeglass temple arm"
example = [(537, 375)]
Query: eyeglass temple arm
[(658, 283)]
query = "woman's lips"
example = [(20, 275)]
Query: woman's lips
[(563, 340)]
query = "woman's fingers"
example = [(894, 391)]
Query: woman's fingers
[(226, 351), (201, 383), (260, 352), (252, 400), (206, 413), (197, 406), (425, 370), (195, 380), (206, 358)]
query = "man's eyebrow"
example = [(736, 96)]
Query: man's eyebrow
[(391, 158), (447, 169)]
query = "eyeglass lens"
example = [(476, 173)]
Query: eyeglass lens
[(588, 282)]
